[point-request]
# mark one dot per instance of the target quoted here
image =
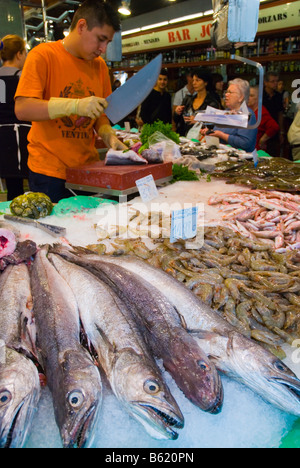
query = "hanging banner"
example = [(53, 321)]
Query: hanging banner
[(270, 19)]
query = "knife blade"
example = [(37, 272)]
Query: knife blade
[(131, 94), (54, 231)]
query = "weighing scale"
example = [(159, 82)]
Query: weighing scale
[(118, 181)]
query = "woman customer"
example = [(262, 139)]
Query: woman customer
[(184, 115), (236, 95), (268, 127), (13, 133)]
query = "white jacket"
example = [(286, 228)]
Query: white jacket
[(294, 131)]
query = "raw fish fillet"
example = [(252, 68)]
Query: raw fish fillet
[(121, 158), (8, 242)]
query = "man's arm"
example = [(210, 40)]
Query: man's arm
[(31, 109), (38, 110)]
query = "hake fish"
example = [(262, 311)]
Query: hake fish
[(132, 372), (233, 354), (19, 379), (72, 376), (189, 366)]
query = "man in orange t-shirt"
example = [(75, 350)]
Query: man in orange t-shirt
[(62, 91)]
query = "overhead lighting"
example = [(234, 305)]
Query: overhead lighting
[(125, 8), (156, 25), (185, 18), (131, 31)]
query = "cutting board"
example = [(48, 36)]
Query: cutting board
[(115, 177)]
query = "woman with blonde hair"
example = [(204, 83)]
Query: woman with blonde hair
[(13, 133), (236, 98)]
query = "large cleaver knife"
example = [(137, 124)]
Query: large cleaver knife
[(129, 96)]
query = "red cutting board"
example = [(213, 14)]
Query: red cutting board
[(115, 177)]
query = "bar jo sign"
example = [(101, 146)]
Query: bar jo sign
[(276, 17), (165, 38)]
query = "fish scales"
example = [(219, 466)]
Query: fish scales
[(19, 379), (130, 368), (72, 377), (235, 355)]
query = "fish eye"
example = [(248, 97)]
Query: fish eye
[(76, 399), (152, 387), (280, 366), (203, 366), (5, 397)]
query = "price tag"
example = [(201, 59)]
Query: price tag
[(147, 188), (184, 224)]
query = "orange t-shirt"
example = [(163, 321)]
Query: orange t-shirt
[(51, 71)]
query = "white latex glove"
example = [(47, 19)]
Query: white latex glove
[(91, 107), (110, 139)]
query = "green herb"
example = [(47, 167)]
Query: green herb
[(181, 172), (158, 126)]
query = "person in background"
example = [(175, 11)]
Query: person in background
[(116, 85), (294, 136), (240, 138), (272, 100), (63, 91), (184, 115), (218, 88), (268, 128), (187, 90), (158, 105), (284, 94), (13, 133)]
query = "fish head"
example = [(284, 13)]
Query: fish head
[(79, 401), (19, 396), (142, 390), (195, 374), (247, 361)]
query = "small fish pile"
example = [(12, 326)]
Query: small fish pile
[(272, 216), (270, 174)]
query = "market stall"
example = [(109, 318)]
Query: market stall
[(246, 420)]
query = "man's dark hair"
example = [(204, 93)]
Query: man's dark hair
[(164, 72), (97, 13)]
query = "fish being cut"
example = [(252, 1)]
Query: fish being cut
[(19, 379), (121, 158), (233, 354), (72, 376), (122, 353)]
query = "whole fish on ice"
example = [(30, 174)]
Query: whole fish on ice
[(19, 379), (189, 366), (72, 376), (132, 372), (233, 354)]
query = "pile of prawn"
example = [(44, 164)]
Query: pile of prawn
[(271, 216)]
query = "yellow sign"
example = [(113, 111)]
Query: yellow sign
[(276, 17)]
